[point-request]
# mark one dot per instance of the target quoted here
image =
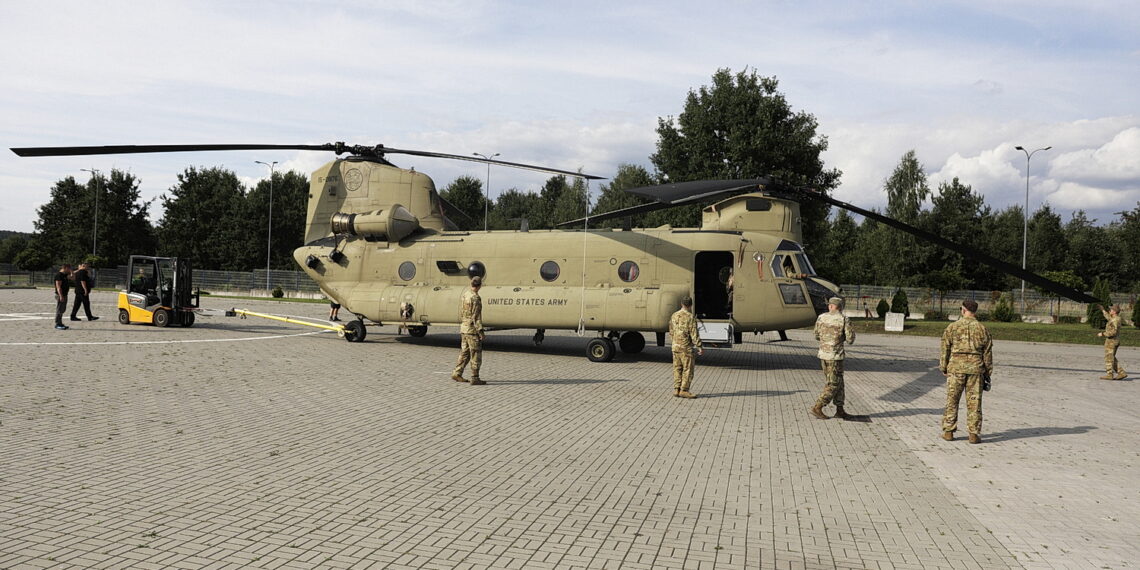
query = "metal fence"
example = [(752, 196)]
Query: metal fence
[(292, 283)]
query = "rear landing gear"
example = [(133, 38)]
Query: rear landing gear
[(631, 342), (539, 335)]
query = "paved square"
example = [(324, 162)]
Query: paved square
[(257, 444)]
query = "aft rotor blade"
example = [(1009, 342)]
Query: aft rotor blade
[(666, 196), (967, 252)]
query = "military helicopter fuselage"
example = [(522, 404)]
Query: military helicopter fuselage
[(377, 241)]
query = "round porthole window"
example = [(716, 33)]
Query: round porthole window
[(628, 271), (549, 271), (407, 271)]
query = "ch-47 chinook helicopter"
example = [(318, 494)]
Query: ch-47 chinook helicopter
[(378, 241)]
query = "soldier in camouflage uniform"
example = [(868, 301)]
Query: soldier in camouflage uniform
[(831, 330), (1111, 334), (470, 334), (683, 329), (966, 358)]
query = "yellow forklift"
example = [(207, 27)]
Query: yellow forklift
[(158, 292)]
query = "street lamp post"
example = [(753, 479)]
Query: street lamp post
[(269, 238), (487, 190), (95, 226), (1025, 216)]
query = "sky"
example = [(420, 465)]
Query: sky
[(575, 85)]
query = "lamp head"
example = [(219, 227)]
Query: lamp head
[(1018, 148)]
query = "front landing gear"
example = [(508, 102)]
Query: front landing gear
[(600, 349)]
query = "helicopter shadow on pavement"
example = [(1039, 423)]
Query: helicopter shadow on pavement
[(764, 393), (907, 412), (923, 384), (1021, 433)]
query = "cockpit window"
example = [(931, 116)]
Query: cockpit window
[(805, 265), (782, 265)]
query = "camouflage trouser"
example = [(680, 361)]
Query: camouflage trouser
[(682, 369), (833, 391), (1111, 364), (955, 385), (470, 350)]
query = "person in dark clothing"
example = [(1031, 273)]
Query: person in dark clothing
[(62, 286), (84, 284)]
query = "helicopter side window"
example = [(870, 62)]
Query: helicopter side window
[(549, 271), (407, 271), (628, 271)]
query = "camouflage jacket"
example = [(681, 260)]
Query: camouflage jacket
[(683, 329), (831, 329), (966, 348), (1112, 327), (470, 313)]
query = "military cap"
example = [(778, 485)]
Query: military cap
[(835, 301), (970, 305)]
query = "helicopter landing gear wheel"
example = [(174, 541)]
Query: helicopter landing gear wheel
[(418, 331), (124, 317), (631, 342), (600, 349), (539, 335), (162, 318), (354, 331)]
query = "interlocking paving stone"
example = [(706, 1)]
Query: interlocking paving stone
[(256, 444)]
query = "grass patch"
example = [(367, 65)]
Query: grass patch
[(1029, 332)]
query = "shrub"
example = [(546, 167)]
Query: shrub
[(1135, 314), (882, 308), (934, 316), (899, 303), (1003, 311), (277, 292), (1068, 320)]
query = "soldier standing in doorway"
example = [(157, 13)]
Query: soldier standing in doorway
[(470, 334), (966, 360), (831, 330), (1112, 368)]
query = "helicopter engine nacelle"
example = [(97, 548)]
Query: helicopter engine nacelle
[(391, 224)]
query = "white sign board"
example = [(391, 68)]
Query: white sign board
[(895, 322)]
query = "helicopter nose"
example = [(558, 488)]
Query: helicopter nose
[(820, 290)]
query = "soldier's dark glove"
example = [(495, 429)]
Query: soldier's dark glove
[(986, 383)]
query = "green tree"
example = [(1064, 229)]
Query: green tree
[(290, 205), (466, 194), (1100, 290), (956, 214), (838, 257), (1002, 240), (899, 303), (1047, 247), (67, 223), (572, 203), (906, 190), (614, 195), (1128, 234), (1092, 251), (11, 247), (204, 221), (742, 127), (513, 206), (1136, 313), (33, 258)]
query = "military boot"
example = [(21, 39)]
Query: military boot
[(477, 382), (1107, 376), (687, 394), (1122, 375), (458, 378), (839, 413), (975, 438), (817, 411), (948, 435), (677, 393)]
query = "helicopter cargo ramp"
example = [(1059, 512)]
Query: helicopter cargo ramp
[(259, 444)]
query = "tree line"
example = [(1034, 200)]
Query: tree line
[(739, 126)]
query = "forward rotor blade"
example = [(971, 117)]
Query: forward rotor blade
[(967, 252), (141, 149), (490, 161)]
